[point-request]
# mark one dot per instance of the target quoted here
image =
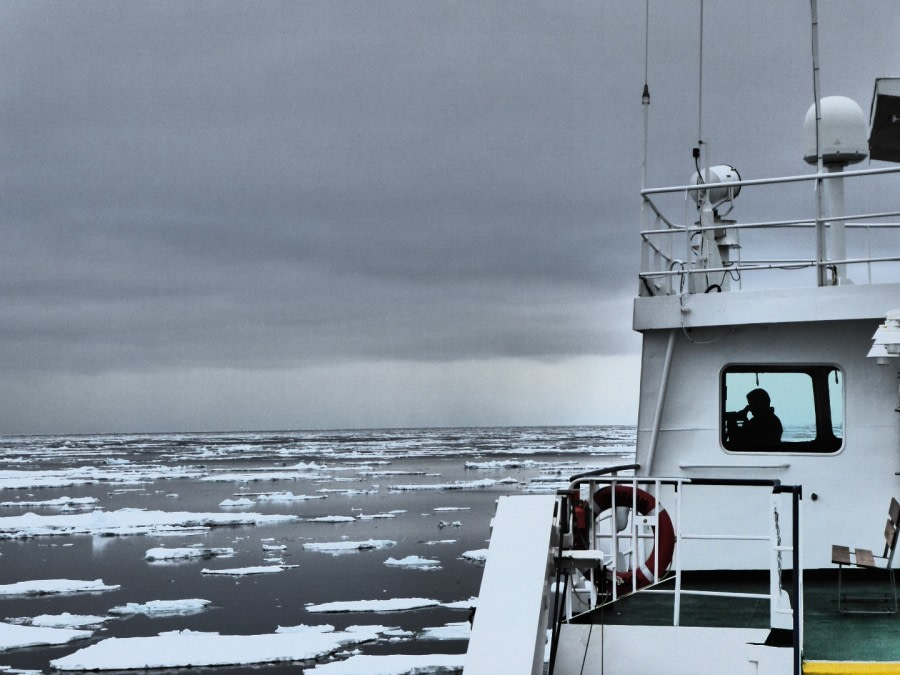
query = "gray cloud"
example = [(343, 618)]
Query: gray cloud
[(278, 184)]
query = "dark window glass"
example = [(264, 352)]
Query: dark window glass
[(769, 408)]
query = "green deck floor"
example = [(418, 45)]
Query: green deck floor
[(828, 634)]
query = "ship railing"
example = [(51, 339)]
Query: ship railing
[(702, 254), (601, 568)]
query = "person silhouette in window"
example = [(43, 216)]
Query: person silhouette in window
[(756, 427)]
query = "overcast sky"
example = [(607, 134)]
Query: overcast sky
[(280, 215)]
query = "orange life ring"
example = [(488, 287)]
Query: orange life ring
[(646, 573)]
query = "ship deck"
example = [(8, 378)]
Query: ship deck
[(829, 635)]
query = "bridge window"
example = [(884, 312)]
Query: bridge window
[(776, 408)]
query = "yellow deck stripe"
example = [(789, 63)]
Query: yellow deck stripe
[(850, 667)]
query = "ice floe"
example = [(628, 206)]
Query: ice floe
[(256, 476), (245, 571), (455, 485), (346, 546), (375, 516), (479, 555), (389, 605), (397, 664), (243, 501), (124, 522), (331, 519), (183, 649), (14, 636), (505, 464), (459, 630), (66, 620), (285, 496), (60, 501), (158, 554), (55, 587), (162, 607), (413, 561)]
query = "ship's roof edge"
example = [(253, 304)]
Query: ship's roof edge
[(771, 306)]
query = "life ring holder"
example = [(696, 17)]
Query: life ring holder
[(625, 495)]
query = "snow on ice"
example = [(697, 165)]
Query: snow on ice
[(479, 555), (162, 607), (66, 620), (54, 586), (124, 522), (13, 636), (245, 571), (347, 546), (398, 664), (182, 649), (165, 554), (390, 605), (285, 496), (456, 485), (414, 562)]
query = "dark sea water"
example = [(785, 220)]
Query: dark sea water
[(361, 473)]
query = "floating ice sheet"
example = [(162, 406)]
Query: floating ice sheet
[(479, 555), (184, 649), (66, 620), (390, 605), (59, 501), (255, 476), (285, 496), (186, 553), (413, 561), (230, 503), (54, 587), (124, 522), (13, 636), (162, 607), (245, 571), (456, 485), (397, 664), (346, 546), (91, 475), (459, 630)]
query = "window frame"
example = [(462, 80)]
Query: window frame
[(825, 442)]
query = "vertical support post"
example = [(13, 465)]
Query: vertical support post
[(774, 561), (660, 401), (820, 223), (836, 225), (676, 620), (797, 586)]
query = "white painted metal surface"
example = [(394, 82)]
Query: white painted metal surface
[(744, 308), (849, 485), (510, 627), (639, 650)]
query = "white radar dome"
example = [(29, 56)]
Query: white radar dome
[(721, 173), (843, 132)]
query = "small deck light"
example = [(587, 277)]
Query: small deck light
[(886, 340)]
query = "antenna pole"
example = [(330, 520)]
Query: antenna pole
[(645, 104), (700, 85), (820, 168)]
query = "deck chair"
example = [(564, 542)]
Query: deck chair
[(843, 557)]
